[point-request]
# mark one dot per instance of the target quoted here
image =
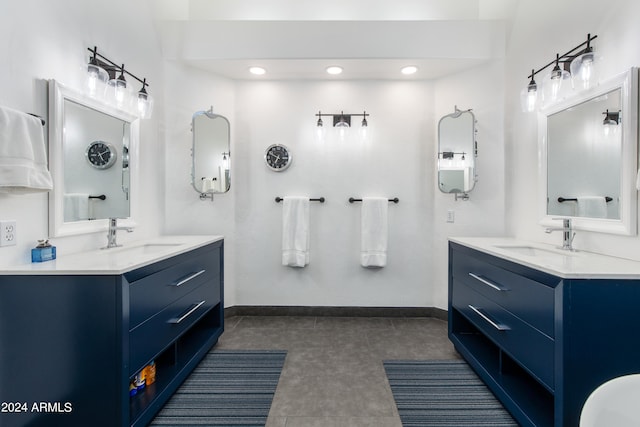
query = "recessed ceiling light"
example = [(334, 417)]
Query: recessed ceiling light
[(258, 71), (411, 69), (334, 70)]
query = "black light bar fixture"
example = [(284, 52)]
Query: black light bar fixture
[(577, 64), (342, 120), (105, 78)]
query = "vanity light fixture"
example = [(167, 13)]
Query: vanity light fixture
[(342, 120), (611, 120), (578, 63), (101, 78)]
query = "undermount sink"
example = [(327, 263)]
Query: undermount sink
[(149, 248), (534, 251)]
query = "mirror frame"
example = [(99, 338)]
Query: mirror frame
[(58, 93), (212, 116), (627, 224), (473, 152)]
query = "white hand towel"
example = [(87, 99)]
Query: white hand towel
[(373, 234), (76, 207), (208, 185), (295, 231), (23, 159), (592, 207)]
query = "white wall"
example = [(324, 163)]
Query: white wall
[(39, 40), (535, 38), (190, 90)]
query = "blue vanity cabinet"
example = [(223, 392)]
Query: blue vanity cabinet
[(541, 343), (70, 344)]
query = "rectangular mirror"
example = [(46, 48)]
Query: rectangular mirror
[(211, 153), (457, 152), (90, 151), (588, 157)]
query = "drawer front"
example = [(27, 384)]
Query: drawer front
[(532, 349), (154, 335), (527, 299), (156, 291)]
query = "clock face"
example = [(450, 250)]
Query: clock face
[(277, 157), (101, 154)]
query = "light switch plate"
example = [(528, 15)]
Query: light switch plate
[(8, 233), (451, 216)]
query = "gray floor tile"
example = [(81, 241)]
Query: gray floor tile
[(333, 374)]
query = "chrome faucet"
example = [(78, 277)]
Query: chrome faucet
[(567, 233), (111, 236)]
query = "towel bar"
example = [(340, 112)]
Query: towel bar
[(320, 199), (41, 119), (101, 197), (394, 200), (562, 199)]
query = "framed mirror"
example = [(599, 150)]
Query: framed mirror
[(211, 153), (588, 157), (457, 151), (91, 148)]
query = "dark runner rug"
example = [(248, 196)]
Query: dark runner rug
[(227, 388), (443, 393)]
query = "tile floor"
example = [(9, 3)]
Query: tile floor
[(333, 375)]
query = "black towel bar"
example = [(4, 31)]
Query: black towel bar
[(562, 199), (101, 197), (394, 200), (319, 199)]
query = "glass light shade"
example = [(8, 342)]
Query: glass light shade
[(145, 105), (334, 70), (409, 69), (528, 100), (555, 86), (118, 93), (96, 80), (342, 124), (584, 70)]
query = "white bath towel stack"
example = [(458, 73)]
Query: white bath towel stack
[(23, 158), (373, 234), (592, 207), (295, 231)]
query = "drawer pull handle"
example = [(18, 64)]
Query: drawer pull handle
[(488, 282), (187, 278), (486, 318), (189, 312)]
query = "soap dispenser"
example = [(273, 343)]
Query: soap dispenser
[(43, 252)]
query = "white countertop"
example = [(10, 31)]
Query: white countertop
[(553, 260), (118, 260)]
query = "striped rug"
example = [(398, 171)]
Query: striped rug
[(228, 388), (443, 393)]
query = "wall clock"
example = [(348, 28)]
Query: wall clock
[(277, 157), (101, 155)]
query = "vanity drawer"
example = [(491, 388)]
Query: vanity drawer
[(154, 335), (531, 301), (527, 345), (149, 295)]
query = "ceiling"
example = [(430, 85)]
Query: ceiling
[(298, 39)]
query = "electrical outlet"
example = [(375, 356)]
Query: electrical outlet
[(451, 216), (8, 233)]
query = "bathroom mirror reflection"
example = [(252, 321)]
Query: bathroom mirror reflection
[(90, 148), (589, 146), (457, 152), (211, 154)]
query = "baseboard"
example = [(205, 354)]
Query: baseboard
[(259, 310)]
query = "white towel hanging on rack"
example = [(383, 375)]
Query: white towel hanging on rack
[(374, 231), (23, 159), (295, 231)]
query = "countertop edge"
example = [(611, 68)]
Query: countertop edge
[(72, 264), (589, 271)]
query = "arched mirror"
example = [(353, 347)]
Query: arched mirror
[(457, 151), (90, 147), (211, 153)]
